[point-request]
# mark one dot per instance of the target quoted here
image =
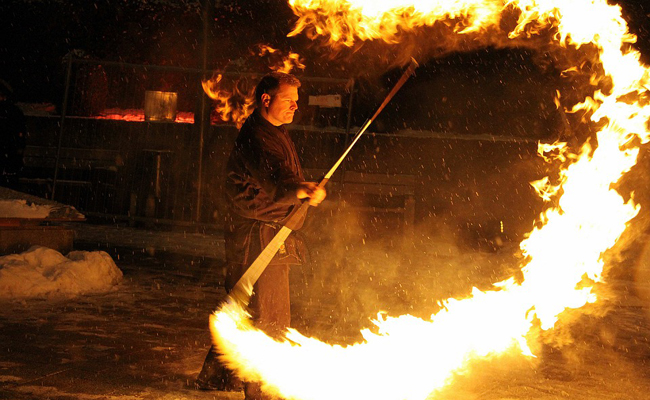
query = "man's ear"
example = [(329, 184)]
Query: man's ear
[(266, 99)]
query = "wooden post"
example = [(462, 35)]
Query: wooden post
[(204, 112), (64, 107)]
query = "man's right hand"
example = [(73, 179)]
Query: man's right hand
[(311, 191)]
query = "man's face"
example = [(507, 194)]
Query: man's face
[(281, 107)]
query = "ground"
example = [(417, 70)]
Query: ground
[(147, 339)]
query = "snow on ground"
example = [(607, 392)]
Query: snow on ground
[(14, 204), (22, 209), (41, 272)]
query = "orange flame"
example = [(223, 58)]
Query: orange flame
[(344, 22), (563, 253), (237, 104), (286, 64), (234, 106)]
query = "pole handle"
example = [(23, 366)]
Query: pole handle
[(323, 182), (302, 210)]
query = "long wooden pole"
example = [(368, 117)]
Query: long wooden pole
[(243, 289)]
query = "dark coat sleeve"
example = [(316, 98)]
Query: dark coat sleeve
[(270, 166)]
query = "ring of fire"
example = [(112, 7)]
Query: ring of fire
[(419, 355)]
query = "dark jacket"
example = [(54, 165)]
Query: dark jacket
[(263, 173)]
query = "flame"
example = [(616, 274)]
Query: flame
[(346, 21), (406, 357), (230, 105), (286, 63), (236, 104)]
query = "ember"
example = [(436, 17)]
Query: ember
[(407, 357)]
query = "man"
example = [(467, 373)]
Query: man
[(264, 186)]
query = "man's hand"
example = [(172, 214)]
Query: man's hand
[(311, 191)]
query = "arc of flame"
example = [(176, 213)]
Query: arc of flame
[(407, 357)]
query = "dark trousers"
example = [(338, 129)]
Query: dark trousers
[(270, 310)]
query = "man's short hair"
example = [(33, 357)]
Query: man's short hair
[(270, 84)]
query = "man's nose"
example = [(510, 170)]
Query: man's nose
[(294, 105)]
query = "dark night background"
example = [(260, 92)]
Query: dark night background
[(35, 35)]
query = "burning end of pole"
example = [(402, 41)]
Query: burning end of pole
[(402, 357), (241, 294)]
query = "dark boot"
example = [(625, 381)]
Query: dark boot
[(253, 391), (215, 376)]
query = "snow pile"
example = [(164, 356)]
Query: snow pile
[(21, 209), (43, 272)]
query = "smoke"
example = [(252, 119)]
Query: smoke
[(355, 272), (361, 265)]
